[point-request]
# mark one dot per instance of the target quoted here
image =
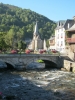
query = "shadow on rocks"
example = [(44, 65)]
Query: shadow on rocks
[(15, 87)]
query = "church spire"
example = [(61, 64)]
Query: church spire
[(36, 29)]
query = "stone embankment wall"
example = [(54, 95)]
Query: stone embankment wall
[(69, 63), (69, 66)]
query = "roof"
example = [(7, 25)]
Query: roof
[(72, 28), (36, 29), (63, 24)]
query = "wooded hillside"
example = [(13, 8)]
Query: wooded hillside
[(18, 24)]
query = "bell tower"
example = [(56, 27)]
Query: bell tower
[(36, 42), (35, 34)]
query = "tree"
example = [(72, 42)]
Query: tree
[(18, 24), (10, 38), (21, 45), (47, 43), (3, 45)]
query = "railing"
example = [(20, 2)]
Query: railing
[(70, 40)]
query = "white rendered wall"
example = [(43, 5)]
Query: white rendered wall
[(52, 47), (60, 40)]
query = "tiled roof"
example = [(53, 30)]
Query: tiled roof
[(72, 28), (63, 24)]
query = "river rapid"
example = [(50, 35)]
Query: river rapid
[(45, 84)]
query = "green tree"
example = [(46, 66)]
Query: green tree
[(3, 45), (10, 38), (21, 45), (18, 24), (47, 43)]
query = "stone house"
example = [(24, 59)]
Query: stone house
[(70, 48), (70, 40), (52, 43)]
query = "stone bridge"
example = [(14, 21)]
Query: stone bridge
[(16, 60)]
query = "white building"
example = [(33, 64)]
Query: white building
[(60, 34)]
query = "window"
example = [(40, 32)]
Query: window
[(61, 35), (61, 43)]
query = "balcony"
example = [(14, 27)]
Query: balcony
[(70, 40)]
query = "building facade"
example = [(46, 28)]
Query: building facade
[(60, 34), (70, 39), (52, 43)]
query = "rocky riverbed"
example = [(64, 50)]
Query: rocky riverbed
[(37, 85)]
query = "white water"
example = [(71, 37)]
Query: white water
[(37, 84)]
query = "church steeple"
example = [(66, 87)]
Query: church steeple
[(36, 42), (36, 30)]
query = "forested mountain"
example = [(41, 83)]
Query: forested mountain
[(18, 24)]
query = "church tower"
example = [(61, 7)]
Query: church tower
[(35, 34), (36, 43)]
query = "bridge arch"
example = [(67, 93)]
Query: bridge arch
[(49, 64), (51, 59), (10, 65)]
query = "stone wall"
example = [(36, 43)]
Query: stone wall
[(69, 53), (69, 65)]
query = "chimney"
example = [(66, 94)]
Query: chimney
[(68, 25), (74, 19), (59, 23)]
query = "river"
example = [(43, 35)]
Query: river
[(45, 84)]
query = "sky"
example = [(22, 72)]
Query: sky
[(53, 9)]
